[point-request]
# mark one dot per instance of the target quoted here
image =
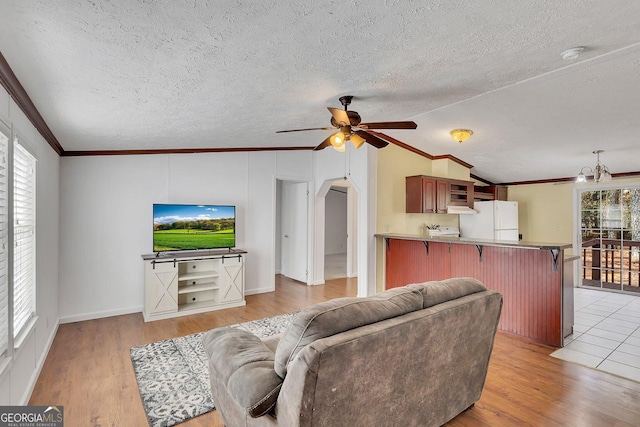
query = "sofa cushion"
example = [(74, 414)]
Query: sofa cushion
[(244, 364), (437, 292), (339, 315)]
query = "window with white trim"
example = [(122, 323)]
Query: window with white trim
[(24, 237), (5, 133), (609, 237)]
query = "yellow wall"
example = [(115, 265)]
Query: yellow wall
[(394, 164), (449, 169), (545, 211)]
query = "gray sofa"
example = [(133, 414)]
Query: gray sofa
[(410, 356)]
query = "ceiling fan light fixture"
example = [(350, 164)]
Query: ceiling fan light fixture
[(461, 135), (341, 148), (337, 139), (350, 127), (357, 140)]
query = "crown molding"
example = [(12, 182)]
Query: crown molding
[(571, 179), (178, 151), (420, 152), (479, 178), (15, 89)]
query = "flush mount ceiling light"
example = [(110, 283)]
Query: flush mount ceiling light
[(572, 53), (600, 172), (461, 135)]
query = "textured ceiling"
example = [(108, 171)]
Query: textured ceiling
[(143, 74)]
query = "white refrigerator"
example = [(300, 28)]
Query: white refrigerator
[(495, 220)]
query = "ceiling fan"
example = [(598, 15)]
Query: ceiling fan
[(351, 129)]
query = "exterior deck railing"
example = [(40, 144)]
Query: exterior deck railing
[(613, 262)]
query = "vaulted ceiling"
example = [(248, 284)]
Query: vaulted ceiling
[(140, 75)]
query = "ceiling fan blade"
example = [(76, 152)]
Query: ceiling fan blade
[(324, 144), (372, 139), (389, 125), (301, 130), (341, 117)]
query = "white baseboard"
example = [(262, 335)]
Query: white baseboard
[(259, 291), (36, 373), (99, 315)]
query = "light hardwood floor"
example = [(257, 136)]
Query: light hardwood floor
[(88, 370)]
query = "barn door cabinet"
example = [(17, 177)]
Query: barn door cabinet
[(189, 283), (428, 194)]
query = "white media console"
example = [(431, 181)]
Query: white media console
[(181, 283)]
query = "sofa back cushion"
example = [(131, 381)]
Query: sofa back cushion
[(437, 292), (339, 315)]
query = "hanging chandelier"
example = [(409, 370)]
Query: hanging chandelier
[(600, 172)]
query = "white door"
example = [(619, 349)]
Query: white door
[(232, 280), (294, 230)]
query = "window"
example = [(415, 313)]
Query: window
[(24, 237), (4, 242), (610, 238)]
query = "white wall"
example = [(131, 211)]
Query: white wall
[(106, 218), (335, 240), (19, 377), (261, 218), (106, 224), (360, 168)]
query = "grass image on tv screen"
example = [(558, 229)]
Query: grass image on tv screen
[(171, 240)]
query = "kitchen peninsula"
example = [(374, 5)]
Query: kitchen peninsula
[(535, 279)]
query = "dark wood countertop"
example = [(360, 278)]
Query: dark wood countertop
[(465, 241), (193, 254)]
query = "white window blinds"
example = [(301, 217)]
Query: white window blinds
[(24, 237), (4, 241)]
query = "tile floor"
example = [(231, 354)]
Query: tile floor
[(606, 333)]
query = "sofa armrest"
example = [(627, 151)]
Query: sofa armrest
[(243, 364)]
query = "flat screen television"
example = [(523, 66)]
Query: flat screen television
[(193, 227)]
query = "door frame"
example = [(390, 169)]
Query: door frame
[(319, 226), (352, 231), (278, 217), (351, 245), (577, 218)]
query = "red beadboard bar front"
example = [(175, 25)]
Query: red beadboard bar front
[(528, 275), (408, 262)]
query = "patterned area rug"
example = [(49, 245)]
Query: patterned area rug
[(173, 375)]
